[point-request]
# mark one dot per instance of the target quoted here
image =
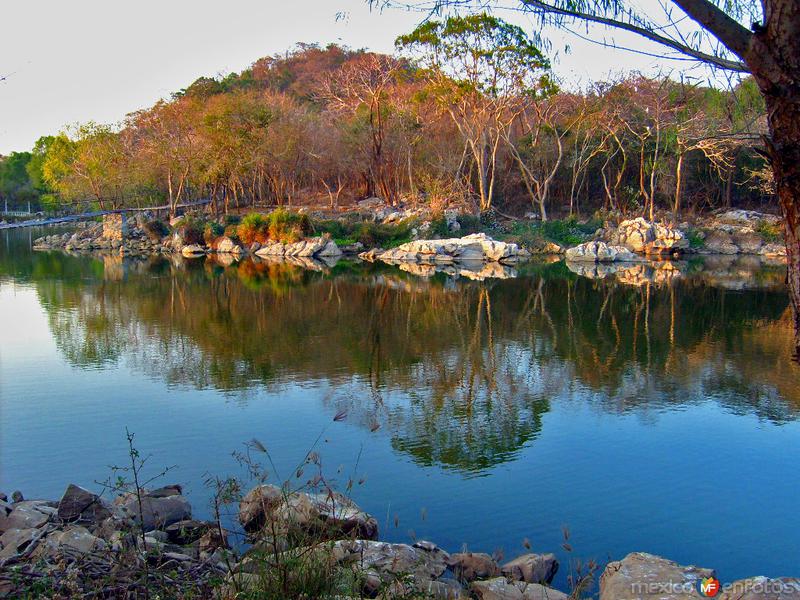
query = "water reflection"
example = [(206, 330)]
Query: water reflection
[(459, 373)]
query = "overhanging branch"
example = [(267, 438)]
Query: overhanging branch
[(723, 63)]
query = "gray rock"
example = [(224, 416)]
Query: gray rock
[(500, 589), (532, 568), (721, 243), (599, 252), (74, 537), (14, 541), (17, 496), (641, 576), (390, 562), (26, 514), (156, 512)]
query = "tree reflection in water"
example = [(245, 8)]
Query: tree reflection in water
[(459, 373)]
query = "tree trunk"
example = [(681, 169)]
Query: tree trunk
[(783, 106)]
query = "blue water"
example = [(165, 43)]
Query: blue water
[(661, 418)]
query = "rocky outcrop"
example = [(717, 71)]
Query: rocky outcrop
[(310, 248), (477, 247), (599, 252), (641, 576), (642, 236)]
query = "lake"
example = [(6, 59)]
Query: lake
[(654, 410)]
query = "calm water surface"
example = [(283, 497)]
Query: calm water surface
[(660, 417)]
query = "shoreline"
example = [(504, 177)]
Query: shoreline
[(313, 529)]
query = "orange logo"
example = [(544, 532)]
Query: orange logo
[(709, 587)]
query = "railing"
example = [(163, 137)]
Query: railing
[(97, 213)]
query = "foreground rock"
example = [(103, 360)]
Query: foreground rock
[(500, 589), (326, 515), (532, 568), (641, 576)]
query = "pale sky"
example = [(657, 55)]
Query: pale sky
[(69, 62)]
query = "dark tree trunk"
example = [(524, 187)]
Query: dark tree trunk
[(784, 153), (773, 56)]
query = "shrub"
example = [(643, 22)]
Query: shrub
[(769, 232), (252, 228), (156, 230), (212, 232), (231, 220), (232, 231), (286, 226), (469, 224)]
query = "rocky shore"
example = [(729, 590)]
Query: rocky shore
[(88, 546), (620, 248)]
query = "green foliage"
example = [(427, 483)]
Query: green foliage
[(480, 53), (566, 232), (253, 228), (696, 240), (769, 232), (371, 235), (287, 226), (212, 231), (191, 229)]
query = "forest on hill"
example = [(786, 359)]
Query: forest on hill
[(466, 113)]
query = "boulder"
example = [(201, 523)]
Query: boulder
[(74, 537), (156, 512), (640, 235), (469, 566), (641, 576), (193, 250), (270, 249), (532, 568), (330, 250), (226, 245), (78, 504), (599, 252), (748, 243), (720, 242), (257, 504), (26, 514), (389, 561), (762, 588), (500, 589)]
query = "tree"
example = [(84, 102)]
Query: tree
[(762, 38), (480, 67)]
